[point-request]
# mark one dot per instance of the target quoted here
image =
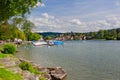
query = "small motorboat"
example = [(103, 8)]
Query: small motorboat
[(39, 43), (50, 43), (54, 42)]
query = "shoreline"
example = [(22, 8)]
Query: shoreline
[(48, 73)]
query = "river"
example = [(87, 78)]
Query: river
[(82, 60)]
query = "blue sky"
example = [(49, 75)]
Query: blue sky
[(76, 15)]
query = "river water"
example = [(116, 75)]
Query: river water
[(82, 60)]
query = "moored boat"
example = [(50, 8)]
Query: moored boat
[(54, 42), (39, 43)]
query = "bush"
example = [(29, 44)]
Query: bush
[(25, 66), (9, 49), (28, 66)]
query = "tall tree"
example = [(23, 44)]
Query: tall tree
[(27, 28), (10, 8)]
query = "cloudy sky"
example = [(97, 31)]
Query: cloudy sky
[(76, 15)]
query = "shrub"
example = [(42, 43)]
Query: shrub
[(28, 66), (9, 49), (25, 66)]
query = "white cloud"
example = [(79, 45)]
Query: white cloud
[(103, 23), (40, 4), (76, 21), (47, 16), (47, 22)]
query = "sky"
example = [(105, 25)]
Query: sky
[(76, 15)]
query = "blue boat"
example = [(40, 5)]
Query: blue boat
[(58, 43), (54, 42)]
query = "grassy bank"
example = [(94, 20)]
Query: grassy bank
[(12, 68), (8, 75)]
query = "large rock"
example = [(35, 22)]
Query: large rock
[(49, 73), (45, 71), (58, 74), (29, 76), (7, 62), (15, 70)]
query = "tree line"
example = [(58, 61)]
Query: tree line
[(110, 34)]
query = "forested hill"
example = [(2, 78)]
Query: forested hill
[(110, 34), (52, 34)]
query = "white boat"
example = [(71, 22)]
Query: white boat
[(39, 43), (50, 43)]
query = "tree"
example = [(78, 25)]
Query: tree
[(9, 31), (18, 22), (34, 36), (10, 8), (27, 28), (5, 32), (17, 34), (48, 38)]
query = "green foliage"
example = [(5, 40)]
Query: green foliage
[(25, 66), (27, 27), (18, 34), (5, 31), (7, 75), (48, 38), (3, 55), (34, 36), (9, 49), (1, 49), (1, 64), (28, 66), (111, 34), (118, 36), (8, 31), (42, 78), (10, 8)]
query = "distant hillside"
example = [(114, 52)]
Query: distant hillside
[(109, 34), (53, 34)]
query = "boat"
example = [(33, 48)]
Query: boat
[(39, 43), (54, 42), (50, 43)]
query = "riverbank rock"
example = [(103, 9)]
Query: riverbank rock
[(45, 71), (15, 69), (7, 62), (53, 73), (57, 73), (50, 73), (29, 76), (12, 64)]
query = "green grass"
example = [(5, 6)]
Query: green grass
[(5, 55), (7, 75), (28, 66), (1, 64), (42, 78)]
